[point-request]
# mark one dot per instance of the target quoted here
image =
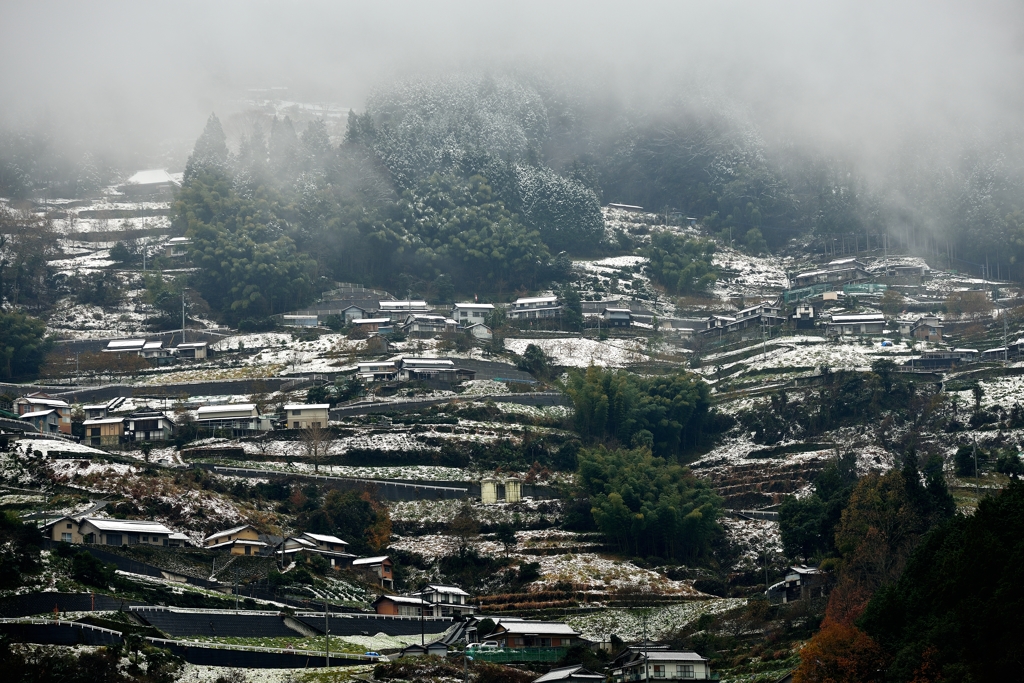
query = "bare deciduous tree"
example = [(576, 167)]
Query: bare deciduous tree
[(316, 442)]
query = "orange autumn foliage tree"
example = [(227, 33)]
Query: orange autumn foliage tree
[(839, 653)]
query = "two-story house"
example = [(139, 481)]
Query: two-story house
[(535, 308), (382, 567), (41, 403), (467, 314), (447, 600), (241, 540), (115, 532), (306, 415)]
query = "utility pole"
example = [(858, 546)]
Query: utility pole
[(182, 316), (977, 487), (327, 634)]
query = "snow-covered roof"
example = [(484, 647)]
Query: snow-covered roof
[(123, 344), (371, 321), (369, 560), (425, 317), (427, 362), (227, 408), (536, 300), (618, 310), (859, 318), (488, 307), (37, 413), (307, 406), (102, 421), (398, 305), (441, 588), (237, 541), (804, 569), (153, 345), (403, 599), (575, 672), (55, 402), (375, 363), (323, 538), (179, 240), (973, 350), (228, 532), (536, 628), (674, 655), (128, 525), (155, 176), (192, 345)]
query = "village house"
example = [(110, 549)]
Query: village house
[(424, 325), (400, 310), (148, 425), (154, 350), (835, 272), (535, 308), (177, 247), (300, 319), (434, 649), (116, 532), (374, 325), (616, 317), (192, 350), (471, 313), (104, 431), (402, 606), (804, 583), (150, 184), (439, 369), (662, 665), (44, 421), (34, 407), (480, 331), (858, 324), (519, 634), (803, 317), (303, 416), (377, 370), (926, 328), (352, 313), (241, 540), (241, 419), (382, 567), (98, 410), (125, 346), (446, 600), (308, 544)]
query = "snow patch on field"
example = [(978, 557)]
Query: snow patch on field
[(591, 569), (578, 352), (661, 622)]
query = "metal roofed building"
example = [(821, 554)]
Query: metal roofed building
[(240, 418), (858, 324), (536, 307), (115, 532), (471, 313), (663, 665), (399, 310), (518, 634), (154, 182), (575, 673), (447, 600), (401, 605), (381, 566)]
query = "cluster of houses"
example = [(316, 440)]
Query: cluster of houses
[(418, 318), (410, 369), (102, 428), (155, 350)]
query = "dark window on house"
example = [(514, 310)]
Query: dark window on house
[(113, 539), (147, 425)]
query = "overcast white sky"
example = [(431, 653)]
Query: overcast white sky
[(861, 73)]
